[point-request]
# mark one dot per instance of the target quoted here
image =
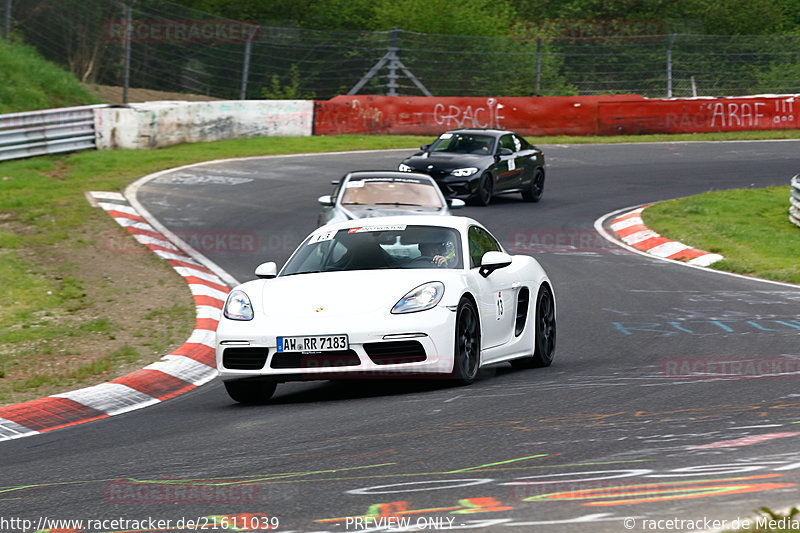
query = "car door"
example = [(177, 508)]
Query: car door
[(509, 170), (525, 159), (495, 295)]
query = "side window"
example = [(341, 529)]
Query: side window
[(480, 242), (524, 145), (336, 189), (507, 141)]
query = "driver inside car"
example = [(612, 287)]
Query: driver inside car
[(438, 252)]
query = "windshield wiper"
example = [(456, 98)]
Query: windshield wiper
[(397, 203)]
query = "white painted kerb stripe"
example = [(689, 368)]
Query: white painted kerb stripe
[(667, 249), (184, 368), (12, 430), (110, 398)]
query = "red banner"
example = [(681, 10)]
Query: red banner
[(559, 115)]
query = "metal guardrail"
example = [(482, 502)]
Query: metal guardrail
[(48, 131), (794, 208)]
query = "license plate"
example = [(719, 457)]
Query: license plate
[(315, 343)]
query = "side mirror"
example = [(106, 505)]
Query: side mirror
[(491, 261), (267, 270), (325, 201), (456, 203), (334, 182), (425, 147), (505, 151)]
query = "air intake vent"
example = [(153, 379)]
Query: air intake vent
[(240, 358), (394, 353), (522, 311)]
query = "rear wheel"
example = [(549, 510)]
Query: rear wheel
[(250, 392), (485, 190), (533, 192), (467, 352), (544, 345)]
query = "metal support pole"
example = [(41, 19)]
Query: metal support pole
[(538, 65), (393, 63), (669, 64), (246, 67), (7, 21), (128, 36)]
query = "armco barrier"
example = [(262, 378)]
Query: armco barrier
[(559, 115), (48, 131), (794, 199), (159, 124)]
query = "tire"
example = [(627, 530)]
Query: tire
[(483, 196), (544, 344), (533, 192), (467, 347), (250, 392)]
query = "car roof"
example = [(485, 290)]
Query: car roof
[(486, 131), (458, 223)]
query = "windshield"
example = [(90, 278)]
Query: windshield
[(379, 246), (391, 191), (464, 143)]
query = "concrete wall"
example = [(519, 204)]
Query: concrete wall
[(158, 124)]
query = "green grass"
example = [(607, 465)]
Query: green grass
[(749, 227), (30, 82)]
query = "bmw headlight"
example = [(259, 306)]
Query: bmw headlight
[(464, 172), (402, 167), (422, 298), (238, 306)]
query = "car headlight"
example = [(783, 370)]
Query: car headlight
[(422, 298), (402, 167), (238, 306), (464, 172)]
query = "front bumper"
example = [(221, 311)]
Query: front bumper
[(412, 344)]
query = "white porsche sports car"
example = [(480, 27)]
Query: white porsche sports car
[(386, 297)]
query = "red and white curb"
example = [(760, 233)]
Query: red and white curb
[(630, 229), (188, 367)]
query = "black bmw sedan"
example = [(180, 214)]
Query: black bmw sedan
[(475, 164)]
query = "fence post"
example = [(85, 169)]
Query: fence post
[(7, 20), (128, 34), (392, 54), (538, 65), (246, 67), (669, 64)]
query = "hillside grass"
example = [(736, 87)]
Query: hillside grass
[(30, 82)]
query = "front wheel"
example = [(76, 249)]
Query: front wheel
[(544, 345), (485, 190), (533, 192), (250, 392), (467, 352)]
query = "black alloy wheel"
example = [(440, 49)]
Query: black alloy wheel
[(485, 190), (466, 359), (533, 192), (544, 345)]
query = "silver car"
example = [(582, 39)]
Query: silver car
[(379, 193)]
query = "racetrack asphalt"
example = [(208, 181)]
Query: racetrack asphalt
[(662, 402)]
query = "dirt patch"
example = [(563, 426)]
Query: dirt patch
[(121, 308), (113, 95)]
